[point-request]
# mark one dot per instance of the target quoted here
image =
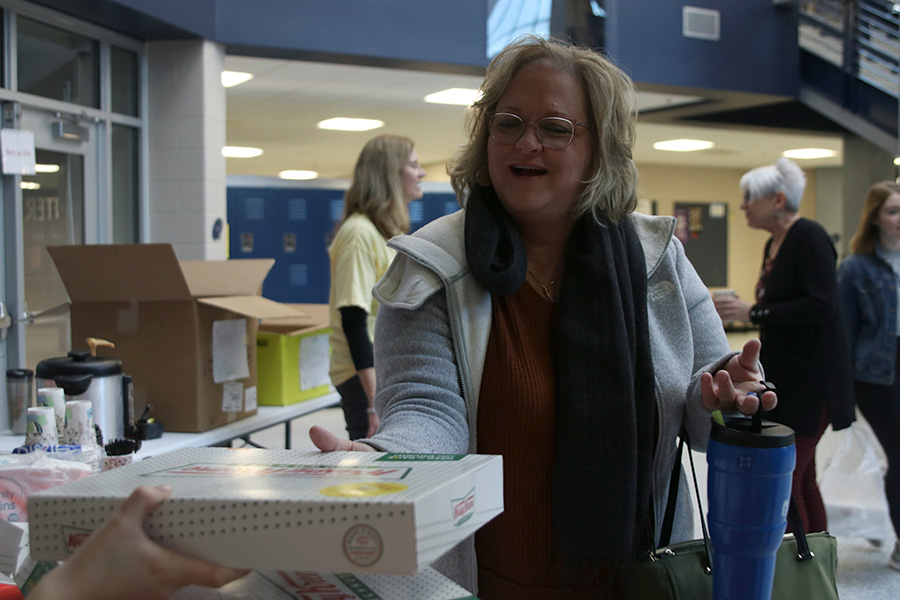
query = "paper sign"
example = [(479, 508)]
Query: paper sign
[(232, 396), (18, 151), (250, 398), (314, 361), (716, 210), (229, 350)]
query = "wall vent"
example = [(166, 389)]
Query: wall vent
[(700, 23)]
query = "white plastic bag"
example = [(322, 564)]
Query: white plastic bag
[(852, 486)]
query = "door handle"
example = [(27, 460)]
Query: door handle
[(5, 320)]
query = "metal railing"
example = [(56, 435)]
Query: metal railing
[(861, 37)]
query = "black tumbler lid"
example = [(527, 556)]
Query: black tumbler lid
[(79, 363), (738, 431), (19, 373)]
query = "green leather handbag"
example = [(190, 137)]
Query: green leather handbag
[(805, 564)]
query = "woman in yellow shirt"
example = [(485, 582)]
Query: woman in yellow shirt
[(387, 177)]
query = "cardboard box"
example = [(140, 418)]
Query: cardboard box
[(309, 585), (184, 330), (293, 356), (357, 512)]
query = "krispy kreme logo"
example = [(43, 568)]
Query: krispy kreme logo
[(463, 508), (316, 586), (282, 470), (75, 537)]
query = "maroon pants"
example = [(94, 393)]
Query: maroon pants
[(803, 485)]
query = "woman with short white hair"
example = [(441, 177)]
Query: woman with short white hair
[(804, 349)]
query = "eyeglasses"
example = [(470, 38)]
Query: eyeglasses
[(552, 132)]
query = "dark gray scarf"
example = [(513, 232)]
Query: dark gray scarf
[(605, 403)]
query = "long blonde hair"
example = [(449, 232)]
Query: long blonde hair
[(863, 242), (610, 98), (376, 190)]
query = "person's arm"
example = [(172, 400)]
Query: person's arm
[(419, 398), (354, 322), (118, 561), (722, 379), (849, 301), (814, 260)]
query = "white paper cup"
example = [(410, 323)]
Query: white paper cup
[(80, 423), (112, 462), (56, 399), (40, 425)]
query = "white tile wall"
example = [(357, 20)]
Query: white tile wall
[(187, 132)]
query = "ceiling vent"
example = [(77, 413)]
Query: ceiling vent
[(700, 23)]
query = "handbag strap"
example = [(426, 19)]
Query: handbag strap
[(674, 481), (803, 551)]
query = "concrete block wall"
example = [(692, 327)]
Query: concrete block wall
[(186, 129)]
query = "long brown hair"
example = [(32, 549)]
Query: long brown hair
[(376, 190), (867, 231)]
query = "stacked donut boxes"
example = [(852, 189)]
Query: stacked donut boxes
[(356, 512)]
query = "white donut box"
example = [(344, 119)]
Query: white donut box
[(357, 512)]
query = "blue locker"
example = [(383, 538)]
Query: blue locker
[(294, 226)]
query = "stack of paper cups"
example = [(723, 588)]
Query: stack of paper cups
[(40, 425), (80, 424), (55, 398)]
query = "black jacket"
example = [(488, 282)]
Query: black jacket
[(804, 343)]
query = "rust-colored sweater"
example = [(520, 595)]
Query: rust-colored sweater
[(516, 418)]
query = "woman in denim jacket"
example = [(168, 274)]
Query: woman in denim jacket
[(869, 282)]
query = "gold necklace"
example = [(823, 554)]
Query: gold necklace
[(546, 288)]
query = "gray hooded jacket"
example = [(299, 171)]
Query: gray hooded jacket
[(432, 333)]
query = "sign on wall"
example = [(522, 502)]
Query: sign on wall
[(702, 227)]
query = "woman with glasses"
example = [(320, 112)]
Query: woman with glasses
[(548, 323)]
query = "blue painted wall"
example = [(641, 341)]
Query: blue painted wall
[(757, 51), (443, 34)]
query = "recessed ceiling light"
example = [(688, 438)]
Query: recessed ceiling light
[(292, 174), (809, 153), (897, 160), (683, 145), (460, 96), (233, 78), (240, 152), (46, 168), (29, 185), (348, 124)]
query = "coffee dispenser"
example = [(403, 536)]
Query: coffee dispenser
[(96, 378)]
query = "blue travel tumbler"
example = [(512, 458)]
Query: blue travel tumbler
[(749, 489)]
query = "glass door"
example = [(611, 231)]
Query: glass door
[(59, 206)]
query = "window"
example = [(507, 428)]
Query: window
[(58, 64), (124, 81), (125, 185)]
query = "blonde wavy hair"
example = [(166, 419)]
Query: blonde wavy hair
[(376, 190), (610, 95)]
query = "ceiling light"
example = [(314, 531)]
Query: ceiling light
[(897, 160), (348, 124), (292, 174), (46, 168), (460, 96), (29, 185), (683, 145), (809, 153), (233, 78), (240, 152)]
